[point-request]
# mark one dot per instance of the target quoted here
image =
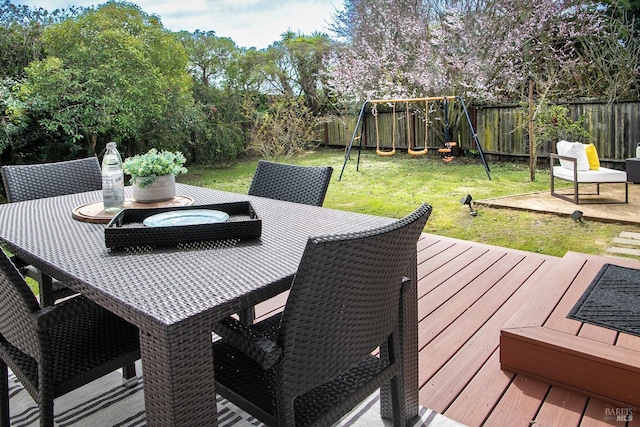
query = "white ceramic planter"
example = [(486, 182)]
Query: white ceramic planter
[(162, 188)]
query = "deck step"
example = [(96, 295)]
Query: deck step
[(590, 367)]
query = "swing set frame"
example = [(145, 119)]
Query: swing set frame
[(361, 122)]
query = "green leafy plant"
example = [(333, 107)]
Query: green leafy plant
[(152, 164), (553, 123)]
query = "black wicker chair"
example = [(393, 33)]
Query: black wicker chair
[(37, 181), (292, 183), (56, 349), (313, 363)]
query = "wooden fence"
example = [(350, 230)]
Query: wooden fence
[(502, 130)]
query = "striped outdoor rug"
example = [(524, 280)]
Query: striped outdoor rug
[(105, 402)]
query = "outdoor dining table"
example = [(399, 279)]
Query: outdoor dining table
[(174, 295)]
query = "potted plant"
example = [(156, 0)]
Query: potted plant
[(153, 174)]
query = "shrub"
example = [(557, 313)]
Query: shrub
[(286, 127)]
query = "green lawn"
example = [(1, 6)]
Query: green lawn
[(394, 186)]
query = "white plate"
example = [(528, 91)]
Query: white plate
[(185, 217)]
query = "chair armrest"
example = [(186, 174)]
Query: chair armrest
[(53, 315), (554, 156), (251, 342)]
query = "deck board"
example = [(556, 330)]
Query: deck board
[(478, 398), (467, 293), (442, 265), (561, 408), (453, 357), (520, 403), (443, 347), (479, 294)]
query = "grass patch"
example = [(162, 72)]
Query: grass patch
[(394, 186)]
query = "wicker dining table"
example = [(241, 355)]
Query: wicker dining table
[(175, 294)]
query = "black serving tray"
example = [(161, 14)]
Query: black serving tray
[(127, 230)]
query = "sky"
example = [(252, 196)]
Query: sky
[(249, 23)]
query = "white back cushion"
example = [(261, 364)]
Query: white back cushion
[(575, 150)]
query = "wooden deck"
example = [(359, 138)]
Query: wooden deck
[(468, 292)]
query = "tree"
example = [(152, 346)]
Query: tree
[(111, 73), (271, 96), (384, 44), (20, 41), (483, 50), (208, 55), (626, 11), (218, 134), (568, 48), (292, 73), (21, 30), (614, 68), (295, 65)]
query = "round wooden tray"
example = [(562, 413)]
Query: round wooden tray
[(94, 212)]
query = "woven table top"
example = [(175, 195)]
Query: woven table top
[(171, 285)]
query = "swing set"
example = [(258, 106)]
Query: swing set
[(412, 149)]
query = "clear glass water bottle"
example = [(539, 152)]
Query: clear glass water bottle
[(112, 180)]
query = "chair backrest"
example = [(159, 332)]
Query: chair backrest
[(292, 183), (36, 181), (344, 300), (18, 306)]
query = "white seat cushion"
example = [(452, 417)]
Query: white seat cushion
[(575, 150), (594, 176)]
